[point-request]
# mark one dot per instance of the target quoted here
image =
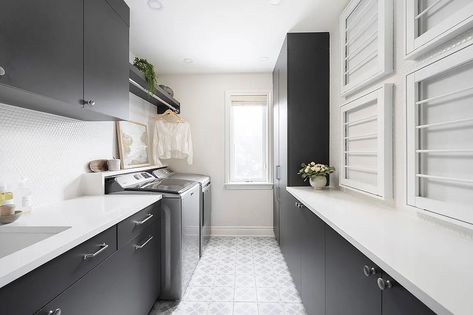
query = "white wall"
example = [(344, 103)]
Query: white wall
[(53, 151), (402, 67), (203, 104)]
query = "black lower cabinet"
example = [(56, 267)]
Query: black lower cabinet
[(398, 301), (348, 290), (312, 288), (126, 283), (333, 277)]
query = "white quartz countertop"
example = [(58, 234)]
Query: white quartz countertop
[(85, 217), (430, 258)]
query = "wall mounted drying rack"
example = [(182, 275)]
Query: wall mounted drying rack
[(162, 100)]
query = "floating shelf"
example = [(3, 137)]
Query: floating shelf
[(159, 98)]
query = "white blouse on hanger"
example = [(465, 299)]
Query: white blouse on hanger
[(172, 140)]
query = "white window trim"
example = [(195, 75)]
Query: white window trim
[(439, 34), (385, 45), (438, 208), (253, 185), (384, 99)]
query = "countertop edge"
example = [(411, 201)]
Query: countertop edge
[(56, 252), (404, 281)]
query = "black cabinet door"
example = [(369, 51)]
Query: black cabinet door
[(398, 301), (348, 290), (95, 293), (41, 48), (293, 239), (106, 51), (313, 263)]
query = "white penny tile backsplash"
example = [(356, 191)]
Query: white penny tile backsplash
[(53, 151)]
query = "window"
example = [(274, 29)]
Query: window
[(367, 143), (440, 129), (366, 28), (247, 140)]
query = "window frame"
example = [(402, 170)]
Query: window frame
[(452, 26), (383, 95), (385, 51), (263, 185)]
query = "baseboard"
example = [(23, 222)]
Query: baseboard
[(242, 231)]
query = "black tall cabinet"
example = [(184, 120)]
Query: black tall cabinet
[(301, 115)]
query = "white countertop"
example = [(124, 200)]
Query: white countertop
[(432, 259), (86, 217)]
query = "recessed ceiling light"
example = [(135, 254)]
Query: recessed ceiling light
[(188, 60), (274, 2), (263, 59), (155, 4)]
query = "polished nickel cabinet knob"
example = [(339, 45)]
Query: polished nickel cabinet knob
[(299, 205), (2, 71), (90, 102), (369, 271), (55, 312), (384, 284)]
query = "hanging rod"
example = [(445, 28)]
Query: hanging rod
[(362, 62), (361, 121), (362, 46), (430, 7), (443, 123), (363, 137), (360, 11), (357, 35), (362, 169), (446, 151), (446, 179), (153, 95), (443, 95), (361, 152)]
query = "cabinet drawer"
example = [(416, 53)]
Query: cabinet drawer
[(47, 281), (131, 227)]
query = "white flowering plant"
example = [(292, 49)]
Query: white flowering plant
[(311, 170)]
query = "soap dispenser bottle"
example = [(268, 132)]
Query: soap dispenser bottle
[(26, 195)]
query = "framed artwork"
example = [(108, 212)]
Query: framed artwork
[(430, 23), (367, 143), (133, 144), (366, 32)]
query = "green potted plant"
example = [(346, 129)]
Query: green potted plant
[(316, 173), (148, 70)]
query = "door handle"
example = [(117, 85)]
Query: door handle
[(149, 216), (278, 172), (103, 247), (144, 244)]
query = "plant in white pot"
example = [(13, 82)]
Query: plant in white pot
[(316, 174)]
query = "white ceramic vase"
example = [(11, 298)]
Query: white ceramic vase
[(318, 182)]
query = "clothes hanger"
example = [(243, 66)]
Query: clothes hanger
[(169, 116)]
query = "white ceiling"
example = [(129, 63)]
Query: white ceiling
[(222, 36)]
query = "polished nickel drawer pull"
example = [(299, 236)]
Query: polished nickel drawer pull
[(144, 244), (144, 220), (103, 247)]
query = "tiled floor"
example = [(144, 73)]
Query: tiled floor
[(239, 275)]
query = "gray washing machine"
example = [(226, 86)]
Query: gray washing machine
[(180, 225), (205, 200)]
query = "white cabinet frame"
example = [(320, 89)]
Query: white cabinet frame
[(382, 31), (383, 96), (452, 26), (414, 173)]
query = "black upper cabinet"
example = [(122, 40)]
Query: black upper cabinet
[(106, 51), (58, 54), (348, 290), (41, 47)]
